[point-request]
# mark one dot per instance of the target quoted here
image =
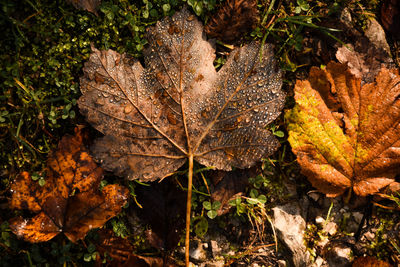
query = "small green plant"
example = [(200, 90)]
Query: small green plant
[(200, 224), (302, 5), (39, 178), (212, 208), (252, 208), (199, 6), (256, 198), (3, 116), (119, 227), (274, 129), (91, 253), (312, 236), (5, 234), (219, 62)]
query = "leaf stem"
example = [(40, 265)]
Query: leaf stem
[(188, 207)]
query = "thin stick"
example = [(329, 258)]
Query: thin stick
[(188, 207)]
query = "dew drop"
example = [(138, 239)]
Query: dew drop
[(128, 109)]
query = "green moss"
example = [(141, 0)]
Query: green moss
[(383, 245)]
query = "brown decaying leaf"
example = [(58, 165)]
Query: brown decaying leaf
[(69, 201), (179, 106), (89, 5), (121, 251), (366, 54), (368, 261), (116, 247), (390, 12), (365, 60), (230, 185), (232, 20), (162, 209), (141, 261), (346, 135)]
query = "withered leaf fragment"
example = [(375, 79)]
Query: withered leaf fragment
[(368, 261), (346, 135), (162, 209), (70, 200), (121, 252), (116, 247), (390, 12), (230, 185), (88, 5), (233, 19), (364, 60), (179, 107)]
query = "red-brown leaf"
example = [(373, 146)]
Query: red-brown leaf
[(70, 201)]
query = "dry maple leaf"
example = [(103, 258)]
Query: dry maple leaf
[(180, 107), (69, 201), (155, 118), (346, 135)]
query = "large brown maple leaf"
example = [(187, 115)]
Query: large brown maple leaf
[(346, 135), (179, 107), (70, 200)]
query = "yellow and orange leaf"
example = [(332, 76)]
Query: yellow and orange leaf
[(346, 135), (69, 201)]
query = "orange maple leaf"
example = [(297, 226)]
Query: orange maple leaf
[(346, 135), (69, 201)]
